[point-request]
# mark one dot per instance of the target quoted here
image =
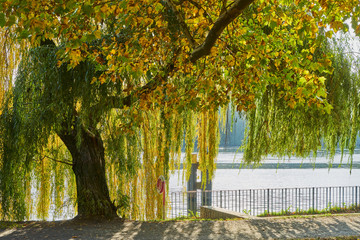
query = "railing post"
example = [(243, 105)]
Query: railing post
[(239, 200), (206, 196), (356, 195), (316, 198), (272, 201), (282, 200), (171, 201), (299, 198), (327, 198), (250, 201), (236, 203), (191, 187), (313, 198), (268, 200), (221, 199), (296, 200), (285, 200)]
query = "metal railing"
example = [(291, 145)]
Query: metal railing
[(259, 201)]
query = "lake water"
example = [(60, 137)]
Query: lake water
[(276, 174), (273, 174)]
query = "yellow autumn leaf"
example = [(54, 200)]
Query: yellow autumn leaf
[(105, 9), (159, 23), (94, 79), (97, 34)]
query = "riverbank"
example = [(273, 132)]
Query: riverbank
[(301, 227)]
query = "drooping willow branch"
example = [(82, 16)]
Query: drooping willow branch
[(56, 160)]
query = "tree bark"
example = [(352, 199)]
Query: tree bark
[(93, 197)]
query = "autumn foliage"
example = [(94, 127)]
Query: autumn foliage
[(135, 80)]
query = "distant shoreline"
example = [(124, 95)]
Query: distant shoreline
[(284, 166)]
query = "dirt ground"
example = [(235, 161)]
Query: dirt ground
[(260, 228)]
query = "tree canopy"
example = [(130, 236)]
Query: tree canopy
[(107, 92)]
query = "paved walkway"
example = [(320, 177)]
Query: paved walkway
[(263, 228)]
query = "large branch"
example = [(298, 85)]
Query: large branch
[(225, 19)]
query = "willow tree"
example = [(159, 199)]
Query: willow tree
[(120, 82)]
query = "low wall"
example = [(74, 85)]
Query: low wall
[(220, 213)]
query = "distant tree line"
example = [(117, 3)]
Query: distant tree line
[(234, 133)]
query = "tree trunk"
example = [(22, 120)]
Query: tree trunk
[(89, 168)]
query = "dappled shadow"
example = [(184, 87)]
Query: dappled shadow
[(69, 229), (40, 230), (263, 228), (307, 227)]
